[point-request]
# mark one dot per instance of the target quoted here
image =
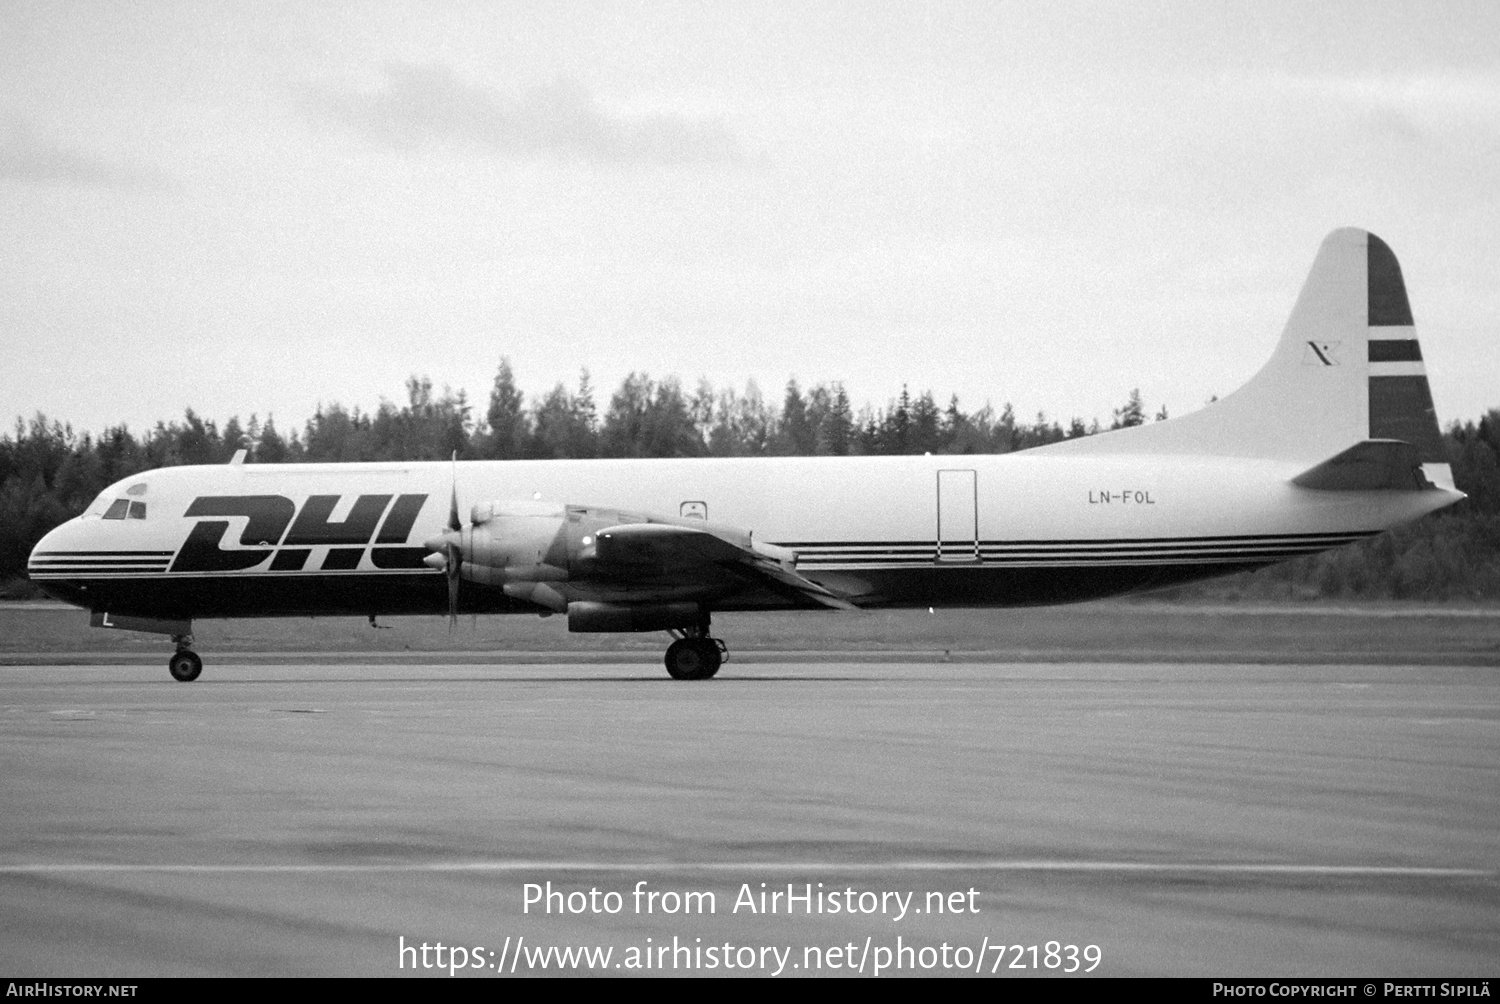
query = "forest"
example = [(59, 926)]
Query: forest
[(50, 472)]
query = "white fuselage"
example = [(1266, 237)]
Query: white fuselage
[(929, 530)]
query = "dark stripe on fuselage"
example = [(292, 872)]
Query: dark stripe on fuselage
[(992, 550), (392, 593), (347, 559), (1059, 559), (101, 554), (1011, 573), (1029, 548), (70, 574), (1087, 541), (160, 563), (264, 595)]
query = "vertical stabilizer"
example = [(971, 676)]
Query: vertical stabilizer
[(1347, 369)]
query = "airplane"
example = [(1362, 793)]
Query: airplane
[(1334, 440)]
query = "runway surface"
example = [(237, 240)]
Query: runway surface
[(1187, 819)]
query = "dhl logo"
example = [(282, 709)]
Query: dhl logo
[(275, 527)]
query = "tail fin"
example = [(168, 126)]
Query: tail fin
[(1347, 369)]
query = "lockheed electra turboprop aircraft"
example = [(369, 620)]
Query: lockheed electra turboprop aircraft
[(1334, 440)]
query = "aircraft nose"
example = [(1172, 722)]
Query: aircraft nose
[(48, 563), (53, 542)]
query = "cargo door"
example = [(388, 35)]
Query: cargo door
[(957, 516)]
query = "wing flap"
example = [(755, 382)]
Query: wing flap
[(668, 545), (801, 585)]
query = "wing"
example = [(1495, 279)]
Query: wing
[(687, 553)]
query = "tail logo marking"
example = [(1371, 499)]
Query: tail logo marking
[(1324, 353)]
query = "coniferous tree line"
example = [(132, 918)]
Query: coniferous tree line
[(49, 472)]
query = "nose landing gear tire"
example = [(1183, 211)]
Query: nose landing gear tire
[(185, 666), (693, 658)]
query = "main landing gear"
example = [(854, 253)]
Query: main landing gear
[(695, 655), (184, 664)]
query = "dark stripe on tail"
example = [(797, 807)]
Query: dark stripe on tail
[(1401, 408), (1395, 350), (1388, 305)]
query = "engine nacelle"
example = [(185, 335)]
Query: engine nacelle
[(532, 549), (591, 616), (511, 542)]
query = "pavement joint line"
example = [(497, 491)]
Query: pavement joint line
[(690, 867)]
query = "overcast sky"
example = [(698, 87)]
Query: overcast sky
[(255, 207)]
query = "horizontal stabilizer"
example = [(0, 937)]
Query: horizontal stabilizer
[(1374, 465)]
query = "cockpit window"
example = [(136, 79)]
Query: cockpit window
[(137, 510), (119, 509)]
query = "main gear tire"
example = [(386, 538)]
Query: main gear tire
[(185, 665), (692, 659)]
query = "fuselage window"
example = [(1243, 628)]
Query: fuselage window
[(118, 509), (137, 510)]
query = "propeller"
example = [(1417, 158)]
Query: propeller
[(447, 554), (452, 552)]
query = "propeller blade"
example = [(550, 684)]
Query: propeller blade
[(453, 522), (455, 562), (451, 551)]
